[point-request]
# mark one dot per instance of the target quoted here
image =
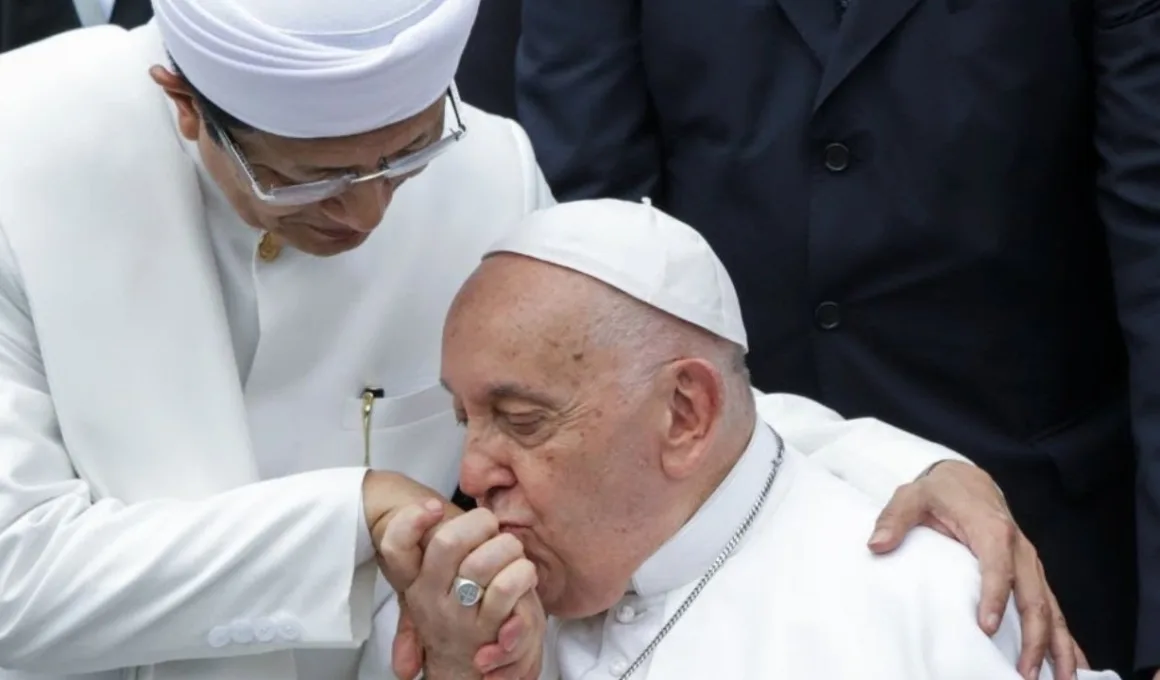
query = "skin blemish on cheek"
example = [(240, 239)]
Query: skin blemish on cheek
[(578, 357)]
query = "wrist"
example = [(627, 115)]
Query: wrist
[(438, 670)]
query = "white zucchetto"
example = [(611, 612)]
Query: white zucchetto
[(639, 251), (318, 68)]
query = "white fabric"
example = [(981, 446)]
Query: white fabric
[(813, 430), (135, 530), (801, 598), (641, 251), (310, 69)]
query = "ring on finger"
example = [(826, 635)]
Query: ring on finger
[(467, 592)]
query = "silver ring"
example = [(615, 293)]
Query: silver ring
[(466, 591)]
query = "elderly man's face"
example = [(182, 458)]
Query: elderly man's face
[(557, 447), (325, 228)]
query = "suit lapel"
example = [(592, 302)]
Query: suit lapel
[(131, 13), (866, 24), (816, 22)]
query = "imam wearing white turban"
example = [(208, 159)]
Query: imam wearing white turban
[(190, 394)]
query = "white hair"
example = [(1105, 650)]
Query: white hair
[(646, 337)]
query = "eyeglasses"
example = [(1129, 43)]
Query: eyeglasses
[(320, 190)]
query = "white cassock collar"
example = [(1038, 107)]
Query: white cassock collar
[(690, 552)]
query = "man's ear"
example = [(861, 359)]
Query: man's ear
[(175, 87), (695, 395)]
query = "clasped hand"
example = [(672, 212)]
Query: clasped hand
[(423, 549)]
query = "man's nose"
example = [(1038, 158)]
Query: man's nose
[(481, 474), (361, 207)]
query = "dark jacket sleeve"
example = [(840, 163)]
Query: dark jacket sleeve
[(582, 97), (1126, 51)]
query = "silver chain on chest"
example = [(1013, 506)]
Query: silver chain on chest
[(723, 557)]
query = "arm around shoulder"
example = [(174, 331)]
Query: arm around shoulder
[(95, 584), (871, 455)]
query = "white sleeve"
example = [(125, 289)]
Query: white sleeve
[(960, 650), (536, 187), (376, 658), (874, 457), (89, 586), (940, 582)]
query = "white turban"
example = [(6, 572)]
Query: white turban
[(639, 251), (318, 68)]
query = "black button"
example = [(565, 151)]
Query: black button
[(828, 316), (837, 157)]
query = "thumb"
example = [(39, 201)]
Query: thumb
[(400, 549), (906, 509), (407, 649)]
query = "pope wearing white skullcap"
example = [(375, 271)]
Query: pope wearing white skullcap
[(676, 527)]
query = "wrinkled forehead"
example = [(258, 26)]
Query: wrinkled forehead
[(508, 320)]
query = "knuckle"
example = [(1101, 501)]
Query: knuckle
[(507, 588), (1036, 608), (486, 519), (1004, 529), (510, 544), (443, 541)]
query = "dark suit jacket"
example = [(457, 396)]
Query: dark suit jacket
[(486, 76), (906, 197), (26, 21)]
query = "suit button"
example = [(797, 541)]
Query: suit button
[(837, 157), (265, 630), (241, 632), (219, 637), (828, 316)]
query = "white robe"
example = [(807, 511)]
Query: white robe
[(153, 504), (837, 445), (802, 596)]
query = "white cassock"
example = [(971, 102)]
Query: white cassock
[(181, 440), (872, 458), (802, 597)]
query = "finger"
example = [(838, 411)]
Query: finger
[(400, 554), (407, 648), (504, 593), (485, 562), (519, 657), (502, 651), (451, 544), (993, 542), (1063, 647), (904, 512), (1081, 660), (1031, 599)]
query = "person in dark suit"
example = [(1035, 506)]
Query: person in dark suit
[(486, 76), (924, 205), (26, 21)]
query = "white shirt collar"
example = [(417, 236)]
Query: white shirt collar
[(690, 552)]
